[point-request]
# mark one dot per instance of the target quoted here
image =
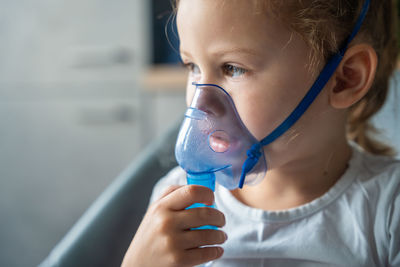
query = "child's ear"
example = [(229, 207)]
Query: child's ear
[(354, 76)]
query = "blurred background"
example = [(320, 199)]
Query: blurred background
[(84, 87)]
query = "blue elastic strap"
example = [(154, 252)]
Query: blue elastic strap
[(253, 154)]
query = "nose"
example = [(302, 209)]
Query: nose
[(211, 100)]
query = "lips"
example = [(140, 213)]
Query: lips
[(219, 141)]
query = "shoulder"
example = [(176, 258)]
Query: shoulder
[(378, 178), (380, 172), (176, 176), (378, 186), (375, 165)]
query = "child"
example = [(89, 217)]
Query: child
[(329, 197)]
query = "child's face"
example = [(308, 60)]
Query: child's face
[(261, 64)]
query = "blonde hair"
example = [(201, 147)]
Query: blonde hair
[(324, 25)]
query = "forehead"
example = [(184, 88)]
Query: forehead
[(240, 23)]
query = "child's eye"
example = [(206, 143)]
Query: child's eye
[(193, 68), (233, 71)]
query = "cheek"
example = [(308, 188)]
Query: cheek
[(264, 109), (260, 116)]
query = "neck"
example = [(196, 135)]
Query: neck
[(299, 181)]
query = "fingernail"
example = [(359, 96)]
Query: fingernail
[(223, 219), (225, 235), (220, 251)]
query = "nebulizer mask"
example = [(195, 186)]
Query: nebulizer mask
[(213, 141), (215, 145)]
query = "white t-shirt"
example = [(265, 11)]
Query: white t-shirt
[(356, 223)]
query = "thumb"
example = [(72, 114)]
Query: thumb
[(187, 195)]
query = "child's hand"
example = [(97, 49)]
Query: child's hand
[(164, 237)]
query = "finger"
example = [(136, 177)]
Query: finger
[(198, 256), (169, 190), (187, 195), (197, 238), (197, 217)]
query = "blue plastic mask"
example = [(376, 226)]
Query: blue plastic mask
[(214, 144), (213, 139)]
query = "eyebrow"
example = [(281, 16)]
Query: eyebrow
[(236, 50), (233, 50)]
